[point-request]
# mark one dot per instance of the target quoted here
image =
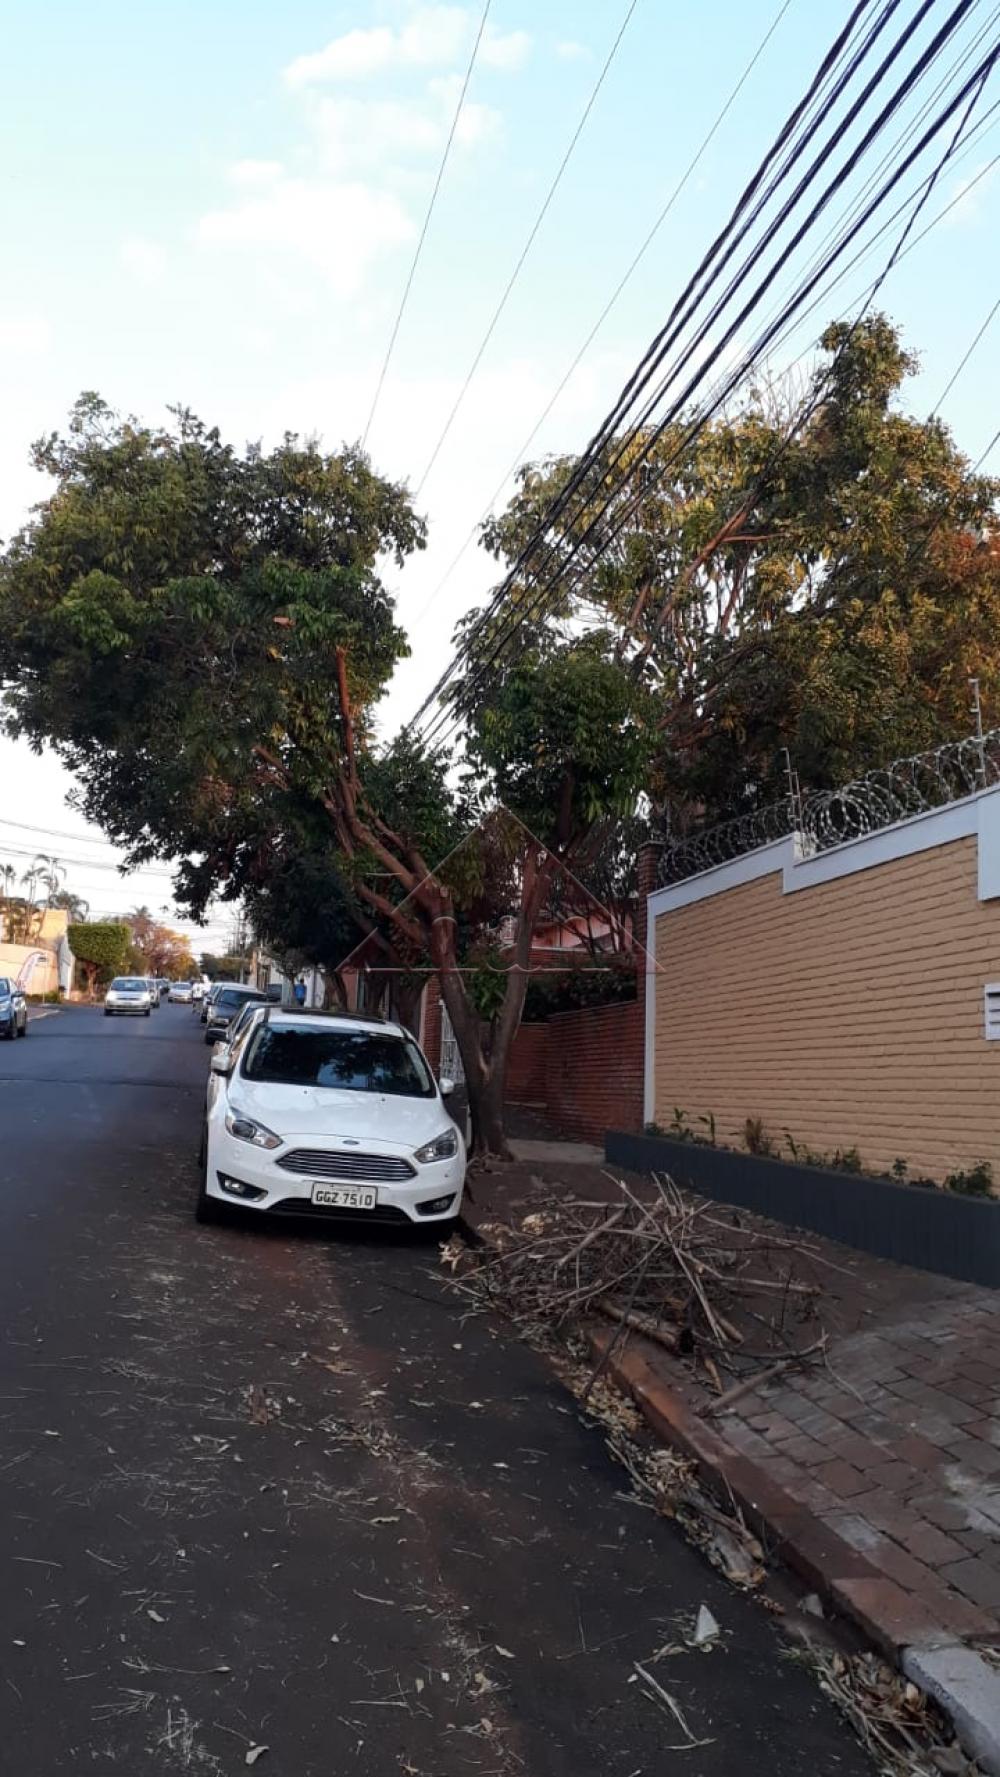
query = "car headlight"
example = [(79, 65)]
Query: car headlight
[(245, 1129), (443, 1147)]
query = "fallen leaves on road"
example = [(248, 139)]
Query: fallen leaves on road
[(255, 1753), (901, 1728)]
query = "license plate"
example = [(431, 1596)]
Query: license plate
[(344, 1196)]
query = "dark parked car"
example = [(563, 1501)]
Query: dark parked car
[(225, 1007), (13, 1009)]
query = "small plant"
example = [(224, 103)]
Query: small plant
[(845, 1160), (899, 1169), (653, 1129), (975, 1181), (709, 1123), (756, 1139), (678, 1125), (792, 1145)]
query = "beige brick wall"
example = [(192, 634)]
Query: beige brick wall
[(850, 1014)]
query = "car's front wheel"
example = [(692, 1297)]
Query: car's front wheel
[(207, 1209), (24, 1028), (10, 1029)]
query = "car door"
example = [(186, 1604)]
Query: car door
[(20, 1009)]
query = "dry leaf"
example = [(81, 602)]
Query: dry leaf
[(254, 1754), (155, 1617), (504, 1652)]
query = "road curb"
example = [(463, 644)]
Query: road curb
[(926, 1637)]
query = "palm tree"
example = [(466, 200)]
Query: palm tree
[(8, 877), (51, 872)]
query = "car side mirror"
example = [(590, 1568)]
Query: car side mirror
[(446, 1087), (221, 1062)]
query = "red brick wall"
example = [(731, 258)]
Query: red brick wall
[(526, 1068), (585, 1068)]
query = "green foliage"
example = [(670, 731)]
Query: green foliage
[(756, 1139), (170, 620), (102, 947), (830, 595), (975, 1181), (220, 968), (612, 981)]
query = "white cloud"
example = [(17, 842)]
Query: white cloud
[(144, 260), (504, 50), (353, 132), (434, 37), (338, 229), (571, 51), (23, 333), (967, 197), (476, 123)]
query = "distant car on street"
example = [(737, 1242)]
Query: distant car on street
[(13, 1009), (128, 996), (225, 1007), (154, 992), (180, 992), (211, 996), (328, 1115)]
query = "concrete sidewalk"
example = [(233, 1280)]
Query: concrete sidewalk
[(877, 1476)]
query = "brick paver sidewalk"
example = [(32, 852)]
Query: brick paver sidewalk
[(895, 1444)]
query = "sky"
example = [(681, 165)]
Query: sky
[(217, 205)]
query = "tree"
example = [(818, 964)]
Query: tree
[(220, 968), (101, 948), (74, 905), (824, 587), (156, 949), (204, 638)]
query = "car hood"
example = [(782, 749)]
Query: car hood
[(373, 1118)]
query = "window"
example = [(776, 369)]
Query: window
[(343, 1060), (991, 1011)]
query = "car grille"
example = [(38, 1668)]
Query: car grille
[(325, 1212), (318, 1163)]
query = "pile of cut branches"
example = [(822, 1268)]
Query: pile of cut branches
[(686, 1273)]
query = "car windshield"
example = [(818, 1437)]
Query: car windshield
[(4, 988), (129, 984), (232, 997), (348, 1060)]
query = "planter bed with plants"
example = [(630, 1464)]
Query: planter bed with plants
[(951, 1232)]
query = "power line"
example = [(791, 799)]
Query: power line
[(971, 90), (980, 460), (90, 863), (704, 275), (526, 249), (980, 75), (786, 135), (426, 223), (956, 373), (54, 833), (609, 305)]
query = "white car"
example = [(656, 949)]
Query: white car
[(128, 995), (327, 1115), (180, 992)]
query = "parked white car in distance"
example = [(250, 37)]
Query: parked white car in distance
[(321, 1114), (180, 992), (128, 995)]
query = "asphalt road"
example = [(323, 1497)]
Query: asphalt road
[(272, 1490)]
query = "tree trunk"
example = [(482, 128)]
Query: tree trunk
[(486, 1111)]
